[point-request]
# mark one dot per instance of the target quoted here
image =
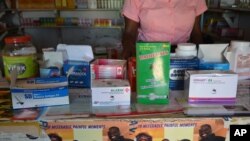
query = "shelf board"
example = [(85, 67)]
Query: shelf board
[(103, 27), (217, 37), (223, 9), (77, 9)]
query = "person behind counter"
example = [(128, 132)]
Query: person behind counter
[(175, 21)]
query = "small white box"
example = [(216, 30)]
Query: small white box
[(110, 92), (211, 86)]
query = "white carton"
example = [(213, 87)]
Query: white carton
[(77, 52), (211, 86), (39, 92), (213, 57), (110, 92)]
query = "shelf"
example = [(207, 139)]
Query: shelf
[(223, 9), (218, 38), (78, 9), (112, 27)]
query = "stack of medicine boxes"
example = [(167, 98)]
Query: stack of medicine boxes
[(109, 85)]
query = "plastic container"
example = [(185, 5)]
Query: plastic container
[(185, 50), (240, 58), (21, 54)]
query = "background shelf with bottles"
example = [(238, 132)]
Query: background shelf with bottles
[(227, 20), (50, 22)]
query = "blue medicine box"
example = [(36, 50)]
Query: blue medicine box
[(214, 65), (80, 75), (213, 57)]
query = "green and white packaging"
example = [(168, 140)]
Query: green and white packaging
[(152, 72)]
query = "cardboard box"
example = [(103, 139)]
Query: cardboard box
[(108, 69), (178, 65), (100, 52), (110, 92), (78, 73), (213, 57), (211, 86), (152, 72), (52, 63), (40, 92), (77, 66), (50, 72)]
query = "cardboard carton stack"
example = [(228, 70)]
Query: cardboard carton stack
[(109, 85)]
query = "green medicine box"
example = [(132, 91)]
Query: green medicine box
[(152, 72)]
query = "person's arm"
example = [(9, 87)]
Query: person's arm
[(129, 38), (196, 35)]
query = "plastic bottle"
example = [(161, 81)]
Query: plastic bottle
[(240, 58), (185, 50), (20, 53), (185, 58)]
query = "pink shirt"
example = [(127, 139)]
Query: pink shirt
[(164, 20)]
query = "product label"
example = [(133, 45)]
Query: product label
[(178, 67), (26, 65), (152, 72)]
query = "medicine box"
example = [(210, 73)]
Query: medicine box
[(213, 57), (77, 64), (110, 92), (78, 73), (178, 66), (108, 69), (40, 92), (211, 86), (152, 72)]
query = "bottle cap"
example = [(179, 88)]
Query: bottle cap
[(185, 53), (186, 46)]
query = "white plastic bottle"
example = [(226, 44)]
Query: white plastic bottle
[(240, 58)]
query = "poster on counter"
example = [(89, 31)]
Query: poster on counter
[(137, 130)]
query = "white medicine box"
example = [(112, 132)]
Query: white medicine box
[(210, 86), (110, 92)]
